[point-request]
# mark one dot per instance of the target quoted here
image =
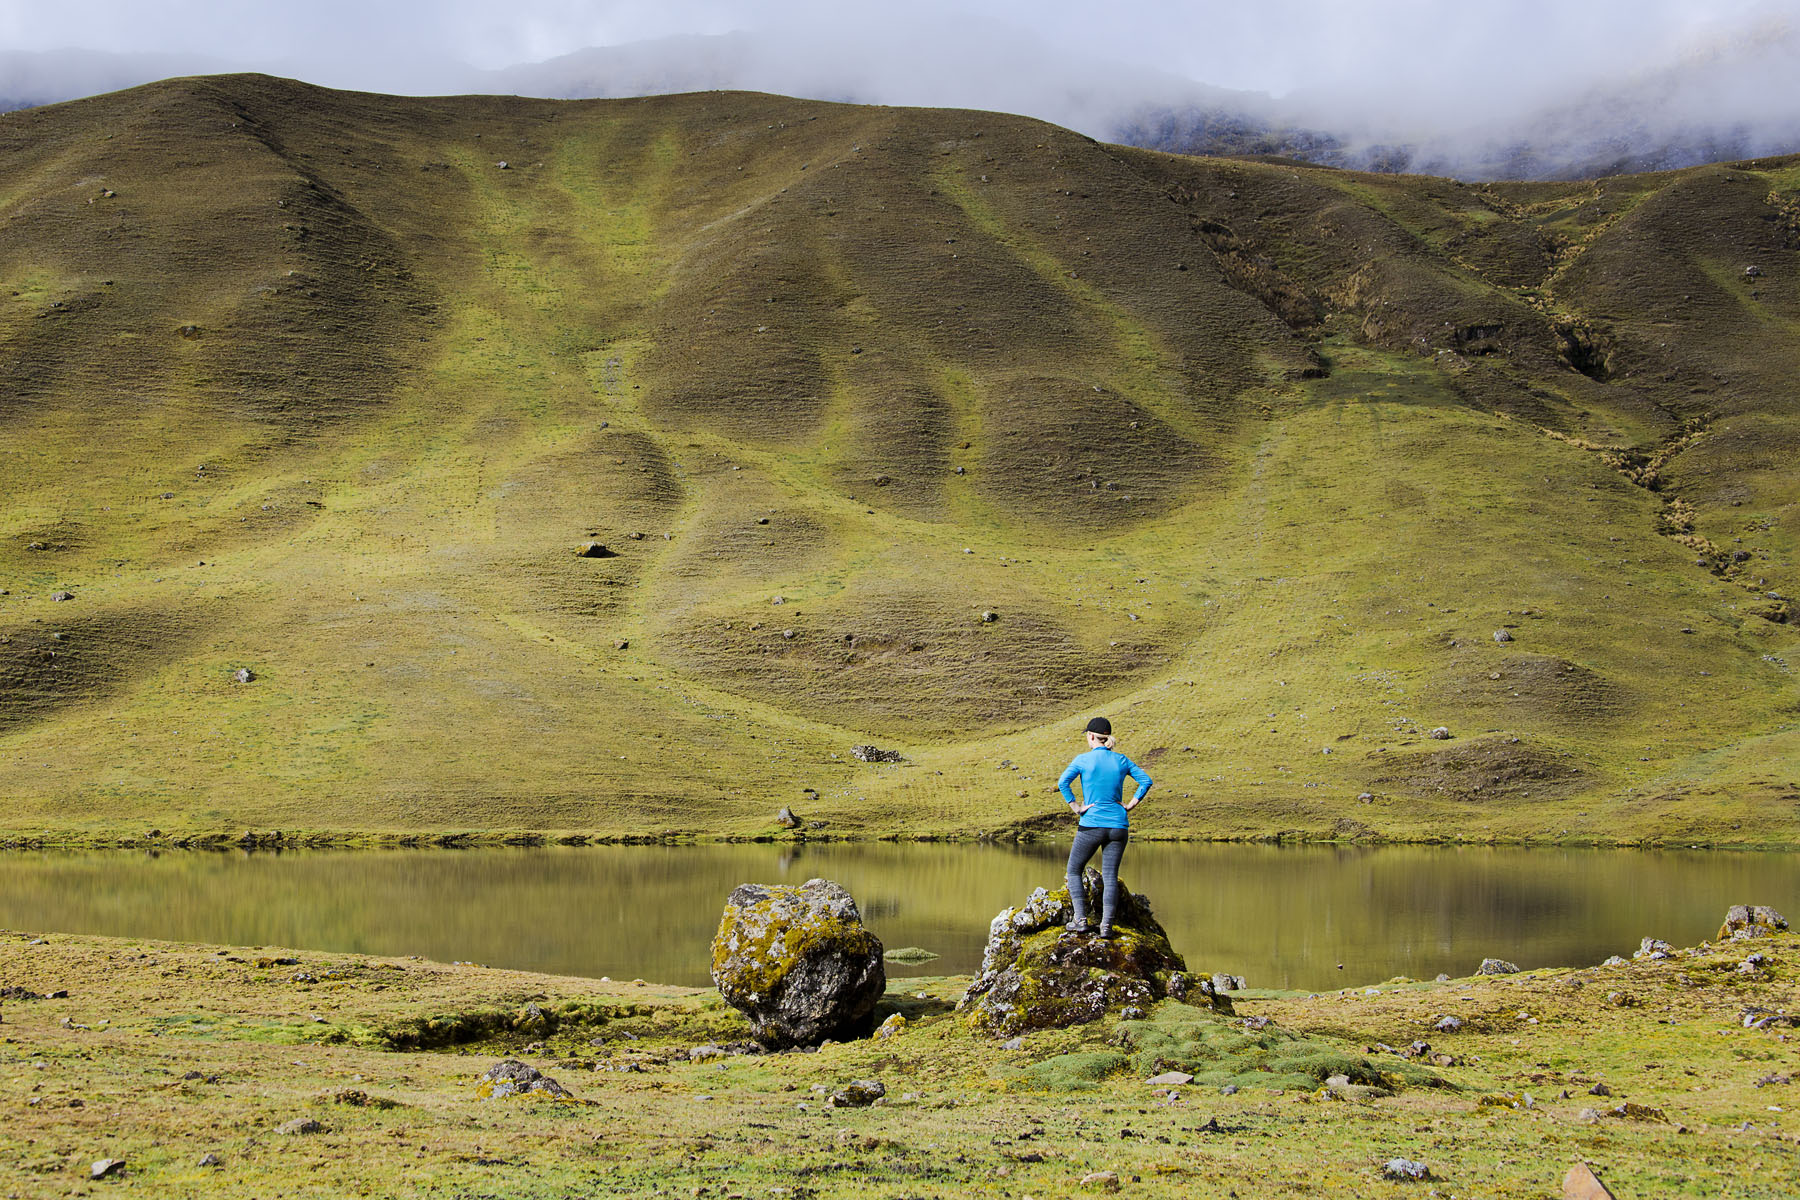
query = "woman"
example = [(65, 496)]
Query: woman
[(1104, 825)]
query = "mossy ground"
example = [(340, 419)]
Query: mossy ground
[(307, 382), (162, 1053)]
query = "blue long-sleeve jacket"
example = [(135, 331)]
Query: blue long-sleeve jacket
[(1103, 773)]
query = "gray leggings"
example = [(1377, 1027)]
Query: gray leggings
[(1111, 844)]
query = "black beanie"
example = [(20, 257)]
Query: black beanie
[(1101, 726)]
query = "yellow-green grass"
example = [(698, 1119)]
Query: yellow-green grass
[(416, 383), (164, 1053)]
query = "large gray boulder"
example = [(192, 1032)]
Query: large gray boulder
[(798, 962), (1037, 975)]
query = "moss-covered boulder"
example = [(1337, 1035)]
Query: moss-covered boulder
[(798, 962), (1037, 975)]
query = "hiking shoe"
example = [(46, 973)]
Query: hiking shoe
[(1076, 927), (1105, 931)]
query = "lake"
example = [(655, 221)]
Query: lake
[(1307, 917)]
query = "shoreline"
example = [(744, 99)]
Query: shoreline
[(252, 840)]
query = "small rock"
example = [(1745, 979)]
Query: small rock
[(1441, 733), (1227, 983), (1600, 1089), (504, 165), (786, 818), (1230, 1089), (1405, 1168), (299, 1126), (705, 1053), (510, 1077), (989, 617), (1613, 960), (893, 1027), (1016, 1043), (622, 644), (595, 550), (858, 1093), (1653, 948), (103, 1167), (1632, 1111), (1170, 1079), (244, 675), (209, 1159), (190, 332), (874, 754), (1103, 1181), (1752, 272), (1496, 966), (1448, 1025), (62, 596), (1582, 1184)]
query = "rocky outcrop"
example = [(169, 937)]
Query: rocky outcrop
[(1037, 975), (798, 962), (1745, 921)]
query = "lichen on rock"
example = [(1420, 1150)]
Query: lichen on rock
[(1035, 974), (798, 962)]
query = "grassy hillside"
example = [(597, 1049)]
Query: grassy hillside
[(1256, 458)]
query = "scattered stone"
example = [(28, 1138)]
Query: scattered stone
[(59, 596), (102, 1167), (504, 165), (1582, 1184), (705, 1053), (1600, 1089), (1503, 636), (595, 550), (989, 616), (1449, 1025), (1441, 733), (357, 1098), (1613, 960), (1103, 1181), (893, 1027), (798, 962), (1740, 918), (1170, 1079), (1405, 1168), (1496, 966), (874, 754), (1761, 1018), (1753, 965), (299, 1126), (1013, 1043), (1753, 271), (190, 332), (1227, 983), (858, 1093), (911, 954), (36, 546), (786, 818), (1653, 948), (622, 644), (636, 535), (18, 993), (244, 675), (1633, 1111), (209, 1159), (1037, 975), (510, 1077)]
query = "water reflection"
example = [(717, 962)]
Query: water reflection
[(1280, 916)]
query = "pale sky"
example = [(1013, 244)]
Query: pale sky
[(1427, 57)]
